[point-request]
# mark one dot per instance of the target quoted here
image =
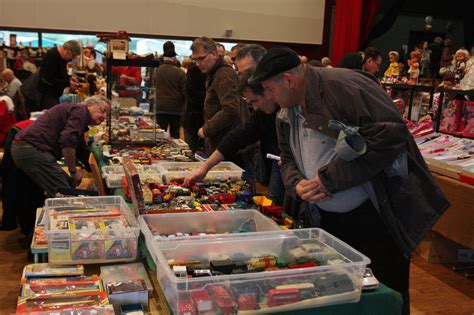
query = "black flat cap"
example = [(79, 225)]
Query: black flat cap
[(277, 60)]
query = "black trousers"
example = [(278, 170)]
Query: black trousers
[(174, 121), (363, 229)]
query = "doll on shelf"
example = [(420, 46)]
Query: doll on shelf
[(414, 64), (425, 60), (460, 59), (392, 72)]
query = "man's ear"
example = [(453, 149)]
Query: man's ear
[(290, 79)]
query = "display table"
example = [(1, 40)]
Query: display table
[(457, 223), (381, 301)]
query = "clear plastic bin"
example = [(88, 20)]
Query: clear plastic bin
[(178, 170), (113, 174), (338, 278), (215, 225), (109, 235)]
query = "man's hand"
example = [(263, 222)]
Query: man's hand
[(77, 179), (312, 190), (201, 133), (73, 83), (196, 176)]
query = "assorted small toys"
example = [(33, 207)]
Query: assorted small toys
[(55, 289), (87, 231), (273, 271)]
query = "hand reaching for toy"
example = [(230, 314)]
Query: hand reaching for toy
[(196, 176), (312, 190)]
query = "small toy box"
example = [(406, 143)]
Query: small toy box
[(90, 230), (177, 171), (262, 273)]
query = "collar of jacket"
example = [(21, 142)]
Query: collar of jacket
[(219, 63), (319, 117)]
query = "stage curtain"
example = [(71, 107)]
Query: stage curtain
[(346, 31)]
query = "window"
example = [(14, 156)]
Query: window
[(25, 38), (56, 39)]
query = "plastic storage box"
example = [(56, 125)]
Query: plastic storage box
[(175, 171), (161, 229), (113, 174), (86, 230), (338, 278)]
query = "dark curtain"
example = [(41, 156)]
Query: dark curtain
[(346, 32), (386, 22), (369, 13)]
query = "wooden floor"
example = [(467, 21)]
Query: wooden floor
[(434, 288)]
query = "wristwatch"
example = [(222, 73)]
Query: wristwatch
[(72, 172)]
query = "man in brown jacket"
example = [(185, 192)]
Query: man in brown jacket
[(169, 82), (223, 108), (346, 151)]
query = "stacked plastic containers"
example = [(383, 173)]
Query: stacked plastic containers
[(85, 230), (239, 262)]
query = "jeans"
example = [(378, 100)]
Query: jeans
[(40, 166)]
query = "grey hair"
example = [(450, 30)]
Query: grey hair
[(208, 44), (74, 46), (255, 51), (97, 100)]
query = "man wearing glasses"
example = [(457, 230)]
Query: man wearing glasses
[(42, 90), (223, 109), (372, 60), (58, 133)]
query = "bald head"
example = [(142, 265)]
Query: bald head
[(8, 75)]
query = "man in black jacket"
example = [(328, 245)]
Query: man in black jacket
[(43, 89), (260, 126)]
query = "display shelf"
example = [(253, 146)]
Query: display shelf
[(408, 92), (126, 123)]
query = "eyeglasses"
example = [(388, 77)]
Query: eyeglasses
[(199, 59)]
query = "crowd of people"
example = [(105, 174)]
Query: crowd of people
[(304, 113)]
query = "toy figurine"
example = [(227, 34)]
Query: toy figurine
[(414, 63), (425, 60), (460, 59), (392, 71)]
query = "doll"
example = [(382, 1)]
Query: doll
[(414, 63), (392, 71), (425, 60), (460, 59)]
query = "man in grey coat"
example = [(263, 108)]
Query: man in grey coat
[(346, 151)]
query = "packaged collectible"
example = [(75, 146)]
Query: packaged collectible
[(46, 270)]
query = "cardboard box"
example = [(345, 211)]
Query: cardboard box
[(437, 249)]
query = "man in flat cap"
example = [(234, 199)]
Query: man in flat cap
[(346, 151)]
